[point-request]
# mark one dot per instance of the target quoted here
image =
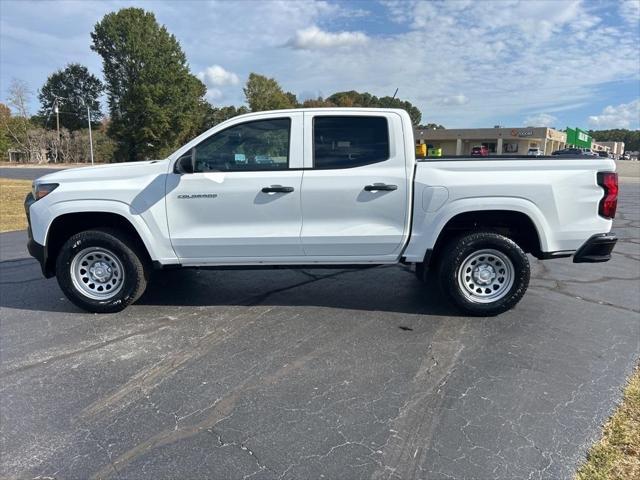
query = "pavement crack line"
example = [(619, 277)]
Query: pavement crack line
[(243, 447), (222, 410), (603, 303), (22, 260), (20, 282), (258, 299), (89, 348)]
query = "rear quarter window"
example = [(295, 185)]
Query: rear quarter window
[(349, 141)]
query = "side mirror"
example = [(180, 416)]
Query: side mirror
[(184, 164)]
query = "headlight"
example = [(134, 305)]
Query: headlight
[(41, 190)]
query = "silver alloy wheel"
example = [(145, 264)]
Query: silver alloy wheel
[(486, 276), (97, 273)]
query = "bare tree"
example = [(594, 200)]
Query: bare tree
[(40, 145), (18, 126)]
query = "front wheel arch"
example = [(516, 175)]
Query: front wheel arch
[(66, 225)]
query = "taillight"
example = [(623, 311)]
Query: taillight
[(609, 182)]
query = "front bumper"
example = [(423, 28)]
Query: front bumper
[(37, 251), (597, 249)]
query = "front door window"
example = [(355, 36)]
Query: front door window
[(250, 146)]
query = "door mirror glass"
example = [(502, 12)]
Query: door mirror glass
[(184, 164)]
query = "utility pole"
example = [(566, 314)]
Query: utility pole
[(56, 109), (90, 137)]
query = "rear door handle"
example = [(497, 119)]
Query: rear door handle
[(380, 186), (277, 189)]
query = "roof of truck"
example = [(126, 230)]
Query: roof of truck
[(324, 109)]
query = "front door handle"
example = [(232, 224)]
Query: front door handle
[(277, 189), (380, 186)]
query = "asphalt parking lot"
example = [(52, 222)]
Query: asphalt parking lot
[(314, 374)]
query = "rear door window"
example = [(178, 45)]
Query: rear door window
[(349, 141)]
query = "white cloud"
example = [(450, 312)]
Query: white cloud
[(629, 10), (540, 120), (217, 76), (459, 99), (213, 95), (625, 115), (314, 38), (511, 58)]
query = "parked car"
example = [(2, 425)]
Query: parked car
[(604, 154), (574, 152), (535, 152), (480, 151), (317, 187)]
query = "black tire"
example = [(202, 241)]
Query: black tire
[(460, 289), (134, 278)]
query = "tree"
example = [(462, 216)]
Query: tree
[(357, 99), (5, 138), (265, 93), (155, 103), (216, 115), (413, 111), (431, 126), (75, 88), (293, 100), (18, 126), (317, 103)]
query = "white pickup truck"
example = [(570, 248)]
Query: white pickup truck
[(318, 187)]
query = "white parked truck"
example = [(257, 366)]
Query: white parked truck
[(318, 187)]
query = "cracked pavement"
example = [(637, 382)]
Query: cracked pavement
[(288, 374)]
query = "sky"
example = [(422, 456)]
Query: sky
[(463, 63)]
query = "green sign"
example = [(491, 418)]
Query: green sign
[(578, 138)]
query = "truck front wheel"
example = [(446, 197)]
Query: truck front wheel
[(484, 273), (100, 272)]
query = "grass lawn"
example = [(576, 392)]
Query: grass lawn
[(12, 193), (617, 455)]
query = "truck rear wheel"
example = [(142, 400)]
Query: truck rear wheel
[(484, 273), (100, 271)]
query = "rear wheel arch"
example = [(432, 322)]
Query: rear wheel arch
[(66, 225), (513, 224)]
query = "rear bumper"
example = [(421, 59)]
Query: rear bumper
[(597, 249), (37, 251)]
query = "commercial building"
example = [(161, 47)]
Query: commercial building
[(578, 138), (615, 148), (498, 140)]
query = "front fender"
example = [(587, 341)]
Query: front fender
[(151, 231)]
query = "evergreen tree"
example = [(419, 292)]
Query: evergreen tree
[(75, 89), (155, 103)]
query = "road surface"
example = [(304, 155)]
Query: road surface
[(299, 374)]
